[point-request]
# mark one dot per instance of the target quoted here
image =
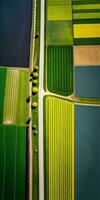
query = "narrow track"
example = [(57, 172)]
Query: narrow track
[(30, 104)]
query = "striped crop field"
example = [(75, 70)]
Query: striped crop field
[(14, 91), (71, 150), (86, 19), (60, 69), (58, 150)]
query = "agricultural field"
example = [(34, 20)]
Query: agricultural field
[(13, 146), (14, 91), (49, 100)]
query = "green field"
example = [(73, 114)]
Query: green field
[(12, 162), (59, 22), (60, 69)]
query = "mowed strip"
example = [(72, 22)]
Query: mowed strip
[(16, 92), (82, 2), (2, 91)]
